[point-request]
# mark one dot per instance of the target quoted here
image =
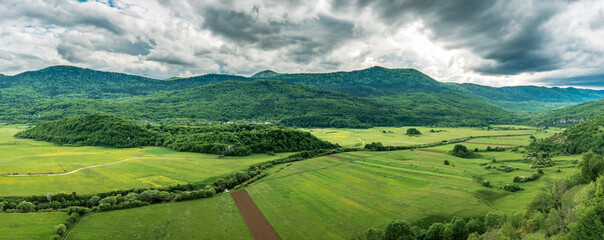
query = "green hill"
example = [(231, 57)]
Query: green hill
[(72, 82), (577, 139), (226, 139), (405, 90), (570, 116), (92, 130), (528, 98)]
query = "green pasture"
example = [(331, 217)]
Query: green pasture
[(395, 136), (213, 218), (145, 167), (29, 225)]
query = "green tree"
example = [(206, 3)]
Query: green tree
[(436, 232), (60, 229), (457, 229), (592, 166), (413, 131), (398, 230), (25, 207), (476, 225)]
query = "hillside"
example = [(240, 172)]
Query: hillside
[(528, 98), (228, 139), (569, 116), (92, 130), (69, 82), (580, 138), (405, 90)]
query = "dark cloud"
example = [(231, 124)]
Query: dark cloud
[(508, 33), (303, 41)]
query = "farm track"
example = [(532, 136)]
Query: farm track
[(74, 171), (494, 144), (428, 150), (253, 218), (341, 158)]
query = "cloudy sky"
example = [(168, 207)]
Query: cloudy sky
[(498, 43)]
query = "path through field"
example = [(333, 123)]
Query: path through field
[(256, 222), (74, 171), (494, 144), (428, 150)]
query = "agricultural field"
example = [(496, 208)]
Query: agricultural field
[(99, 169), (213, 218), (333, 197), (395, 136), (29, 225)]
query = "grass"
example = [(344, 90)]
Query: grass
[(29, 225), (213, 218), (395, 136), (333, 199), (320, 198), (149, 166)]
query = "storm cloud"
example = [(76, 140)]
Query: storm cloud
[(553, 43)]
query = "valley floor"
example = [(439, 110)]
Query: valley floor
[(329, 197)]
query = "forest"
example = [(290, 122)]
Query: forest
[(225, 139)]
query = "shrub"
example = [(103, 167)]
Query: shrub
[(55, 237), (60, 229), (398, 230), (512, 188), (486, 184), (413, 131), (462, 152), (446, 162), (25, 207)]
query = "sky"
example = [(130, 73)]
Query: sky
[(496, 43)]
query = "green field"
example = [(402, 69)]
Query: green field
[(214, 218), (329, 198), (321, 198), (29, 225), (395, 136), (143, 167)]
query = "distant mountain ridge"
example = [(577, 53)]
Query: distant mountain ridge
[(380, 96)]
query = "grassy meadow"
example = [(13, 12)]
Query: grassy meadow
[(29, 225), (395, 136), (213, 218), (330, 197), (145, 167), (333, 198)]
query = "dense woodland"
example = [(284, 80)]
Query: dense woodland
[(226, 139), (580, 138)]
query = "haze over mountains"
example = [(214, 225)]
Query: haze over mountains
[(370, 97)]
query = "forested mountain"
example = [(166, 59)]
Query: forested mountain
[(371, 97), (528, 98), (227, 139), (67, 81), (570, 116), (580, 138)]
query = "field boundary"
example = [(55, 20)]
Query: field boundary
[(253, 218)]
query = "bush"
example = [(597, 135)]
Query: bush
[(486, 184), (413, 131), (462, 152), (60, 229), (25, 207), (512, 188), (446, 162), (398, 230), (55, 237)]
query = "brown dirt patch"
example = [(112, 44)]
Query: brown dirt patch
[(493, 144), (341, 158), (428, 150), (255, 221), (353, 155)]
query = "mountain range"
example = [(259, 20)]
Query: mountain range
[(375, 96)]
